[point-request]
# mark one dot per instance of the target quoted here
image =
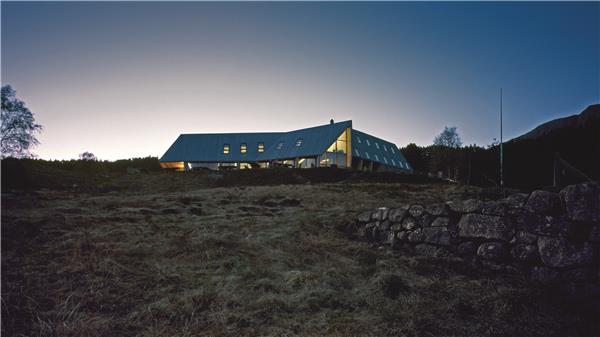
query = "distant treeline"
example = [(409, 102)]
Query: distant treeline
[(528, 163)]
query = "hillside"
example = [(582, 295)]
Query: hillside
[(586, 119), (158, 254)]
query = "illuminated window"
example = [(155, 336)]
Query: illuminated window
[(392, 149), (368, 143), (385, 160), (367, 155), (393, 162), (358, 139), (243, 148), (357, 153), (384, 148), (299, 142), (377, 145), (400, 164), (261, 147), (279, 146), (225, 148), (376, 157)]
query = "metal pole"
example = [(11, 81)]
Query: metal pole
[(501, 147)]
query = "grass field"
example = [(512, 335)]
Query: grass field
[(173, 255)]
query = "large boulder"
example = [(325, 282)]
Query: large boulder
[(485, 227), (582, 201), (431, 251), (466, 206), (410, 223), (543, 202), (558, 253), (493, 251), (416, 211), (440, 222), (381, 213), (426, 220), (436, 235), (416, 236), (516, 200), (397, 214), (525, 237), (439, 209), (525, 253), (466, 249), (498, 208), (544, 274)]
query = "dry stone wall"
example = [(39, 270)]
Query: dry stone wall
[(551, 237)]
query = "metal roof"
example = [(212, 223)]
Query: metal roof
[(208, 147), (376, 149)]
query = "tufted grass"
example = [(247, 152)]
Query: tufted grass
[(239, 261)]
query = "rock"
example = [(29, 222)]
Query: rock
[(436, 235), (543, 202), (582, 202), (492, 251), (525, 253), (440, 222), (431, 251), (466, 249), (416, 236), (365, 216), (426, 220), (525, 237), (402, 236), (553, 226), (416, 211), (516, 200), (391, 239), (438, 209), (409, 223), (384, 225), (484, 227), (557, 252), (381, 213), (396, 227), (544, 274), (494, 208), (467, 206), (397, 214), (595, 234)]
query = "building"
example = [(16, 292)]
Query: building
[(331, 145)]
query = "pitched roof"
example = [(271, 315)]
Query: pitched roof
[(376, 149), (208, 147)]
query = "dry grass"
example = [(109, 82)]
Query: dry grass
[(243, 261)]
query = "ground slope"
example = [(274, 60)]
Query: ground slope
[(244, 261)]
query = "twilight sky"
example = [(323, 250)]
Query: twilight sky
[(124, 79)]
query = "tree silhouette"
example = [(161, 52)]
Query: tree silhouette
[(449, 137), (18, 126), (87, 156)]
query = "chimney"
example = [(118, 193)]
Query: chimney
[(331, 121)]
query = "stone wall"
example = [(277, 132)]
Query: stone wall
[(550, 237)]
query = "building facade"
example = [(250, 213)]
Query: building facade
[(332, 145)]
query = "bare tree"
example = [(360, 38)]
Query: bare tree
[(18, 126), (449, 137), (87, 156)]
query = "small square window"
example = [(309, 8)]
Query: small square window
[(377, 145), (367, 155), (299, 142), (393, 162), (400, 164), (392, 149), (357, 153), (384, 148), (358, 139), (225, 148), (376, 157), (368, 143), (261, 147), (243, 148), (385, 160), (279, 146)]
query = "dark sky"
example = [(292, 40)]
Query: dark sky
[(124, 79)]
